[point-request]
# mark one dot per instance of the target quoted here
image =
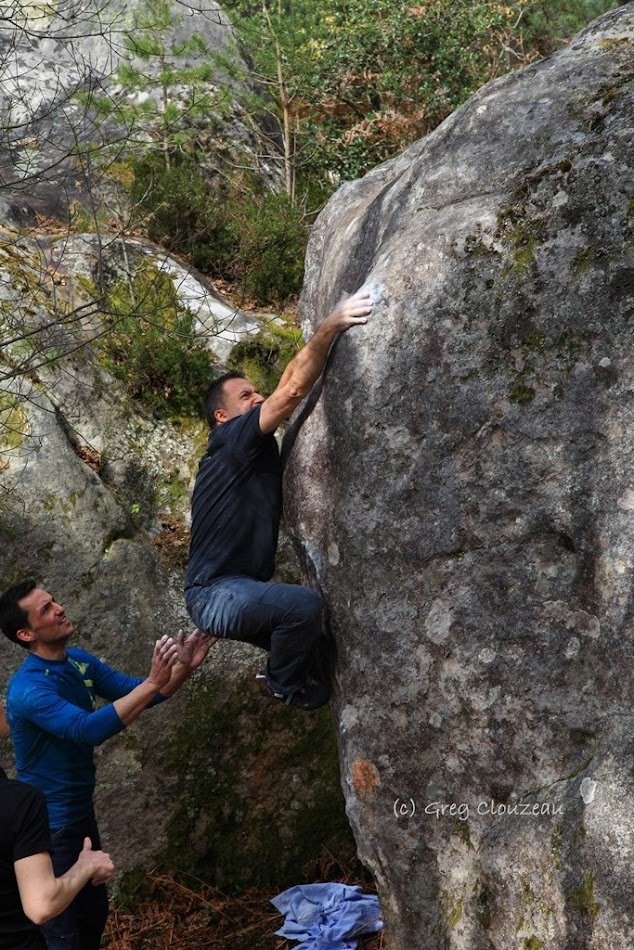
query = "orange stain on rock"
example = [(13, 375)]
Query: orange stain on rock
[(364, 775)]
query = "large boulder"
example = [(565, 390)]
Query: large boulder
[(464, 497)]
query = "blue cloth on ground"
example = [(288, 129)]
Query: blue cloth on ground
[(327, 916)]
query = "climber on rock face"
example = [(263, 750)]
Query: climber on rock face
[(236, 509)]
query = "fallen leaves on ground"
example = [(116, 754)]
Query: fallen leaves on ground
[(172, 540), (180, 912)]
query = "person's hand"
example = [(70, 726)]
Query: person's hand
[(191, 651), (98, 863), (351, 310), (163, 659)]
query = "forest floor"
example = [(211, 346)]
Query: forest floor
[(179, 913)]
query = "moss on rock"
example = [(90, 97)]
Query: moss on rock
[(264, 357), (583, 898), (13, 422), (259, 793), (532, 943), (521, 393)]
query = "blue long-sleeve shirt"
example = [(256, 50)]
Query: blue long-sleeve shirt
[(51, 708)]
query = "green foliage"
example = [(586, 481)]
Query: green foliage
[(398, 71), (264, 357), (151, 346), (271, 248), (363, 78), (349, 83), (255, 240), (164, 81), (358, 80), (184, 214), (547, 25)]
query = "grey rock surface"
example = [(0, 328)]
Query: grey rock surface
[(463, 495)]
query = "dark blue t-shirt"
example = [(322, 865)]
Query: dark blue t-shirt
[(237, 504)]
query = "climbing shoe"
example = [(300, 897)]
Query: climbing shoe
[(311, 696)]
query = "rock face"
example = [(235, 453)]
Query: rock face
[(464, 497)]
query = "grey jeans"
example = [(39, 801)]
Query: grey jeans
[(285, 619)]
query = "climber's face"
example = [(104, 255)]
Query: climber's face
[(238, 396)]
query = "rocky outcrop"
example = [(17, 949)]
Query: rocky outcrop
[(463, 495), (94, 488), (94, 495)]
